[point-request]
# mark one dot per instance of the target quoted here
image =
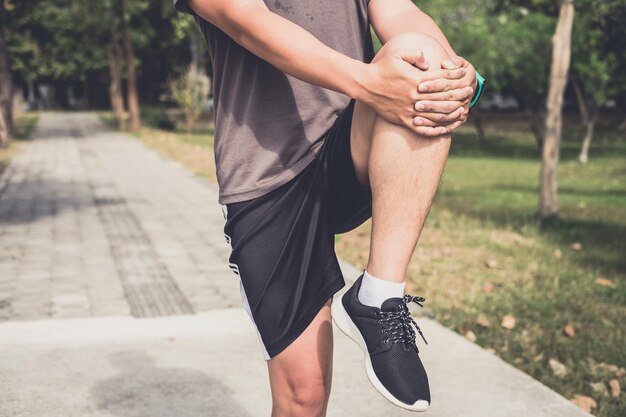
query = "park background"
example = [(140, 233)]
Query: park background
[(526, 269)]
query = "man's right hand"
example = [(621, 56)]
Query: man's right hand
[(391, 89)]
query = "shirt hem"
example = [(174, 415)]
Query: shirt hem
[(274, 183)]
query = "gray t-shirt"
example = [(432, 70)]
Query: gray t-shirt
[(268, 125)]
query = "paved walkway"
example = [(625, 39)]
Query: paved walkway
[(91, 223), (127, 247)]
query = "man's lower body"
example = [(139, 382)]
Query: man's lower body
[(283, 242)]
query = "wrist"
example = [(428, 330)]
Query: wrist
[(359, 76), (478, 90)]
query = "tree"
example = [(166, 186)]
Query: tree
[(132, 94), (561, 53), (190, 92), (596, 71), (6, 81), (114, 58)]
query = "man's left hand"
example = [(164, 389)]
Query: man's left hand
[(446, 102)]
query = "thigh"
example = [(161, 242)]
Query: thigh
[(364, 117), (349, 201), (304, 368), (283, 252)]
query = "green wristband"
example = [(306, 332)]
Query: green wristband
[(480, 88)]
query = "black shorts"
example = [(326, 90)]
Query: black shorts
[(283, 243)]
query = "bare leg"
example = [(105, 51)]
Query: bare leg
[(403, 171), (300, 376)]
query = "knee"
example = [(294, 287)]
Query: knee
[(433, 51), (305, 398)]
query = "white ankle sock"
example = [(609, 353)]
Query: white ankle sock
[(374, 291)]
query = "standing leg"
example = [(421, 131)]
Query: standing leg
[(300, 376)]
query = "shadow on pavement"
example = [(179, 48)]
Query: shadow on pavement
[(142, 389)]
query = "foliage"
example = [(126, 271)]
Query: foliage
[(596, 57), (190, 91)]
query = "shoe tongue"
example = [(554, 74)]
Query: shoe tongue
[(391, 304)]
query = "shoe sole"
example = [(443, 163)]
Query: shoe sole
[(347, 326)]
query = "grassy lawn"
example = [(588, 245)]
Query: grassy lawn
[(24, 125), (549, 297)]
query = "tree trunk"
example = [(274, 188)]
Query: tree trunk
[(114, 55), (190, 122), (132, 96), (561, 53), (588, 113), (477, 118), (4, 134), (535, 119), (194, 48), (32, 99), (6, 91), (583, 108), (584, 151)]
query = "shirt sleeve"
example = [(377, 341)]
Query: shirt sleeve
[(181, 6)]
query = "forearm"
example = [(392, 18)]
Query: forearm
[(285, 45)]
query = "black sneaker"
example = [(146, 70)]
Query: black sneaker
[(387, 339)]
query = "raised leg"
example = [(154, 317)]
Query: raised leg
[(300, 376), (402, 169)]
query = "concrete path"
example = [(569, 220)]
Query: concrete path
[(127, 248)]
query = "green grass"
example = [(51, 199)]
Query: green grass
[(485, 213), (24, 125), (485, 254)]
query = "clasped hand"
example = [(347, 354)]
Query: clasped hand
[(443, 104), (405, 90)]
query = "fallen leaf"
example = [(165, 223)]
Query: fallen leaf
[(584, 402), (558, 254), (538, 358), (491, 263), (605, 282), (470, 335), (620, 372), (488, 288), (483, 321), (603, 370), (598, 388), (509, 321), (569, 330), (576, 246), (615, 388), (558, 369)]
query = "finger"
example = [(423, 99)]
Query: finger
[(421, 121), (436, 131), (441, 85), (453, 126), (429, 132), (437, 106), (415, 58), (439, 74), (450, 64), (439, 118), (421, 62), (459, 61), (461, 94)]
